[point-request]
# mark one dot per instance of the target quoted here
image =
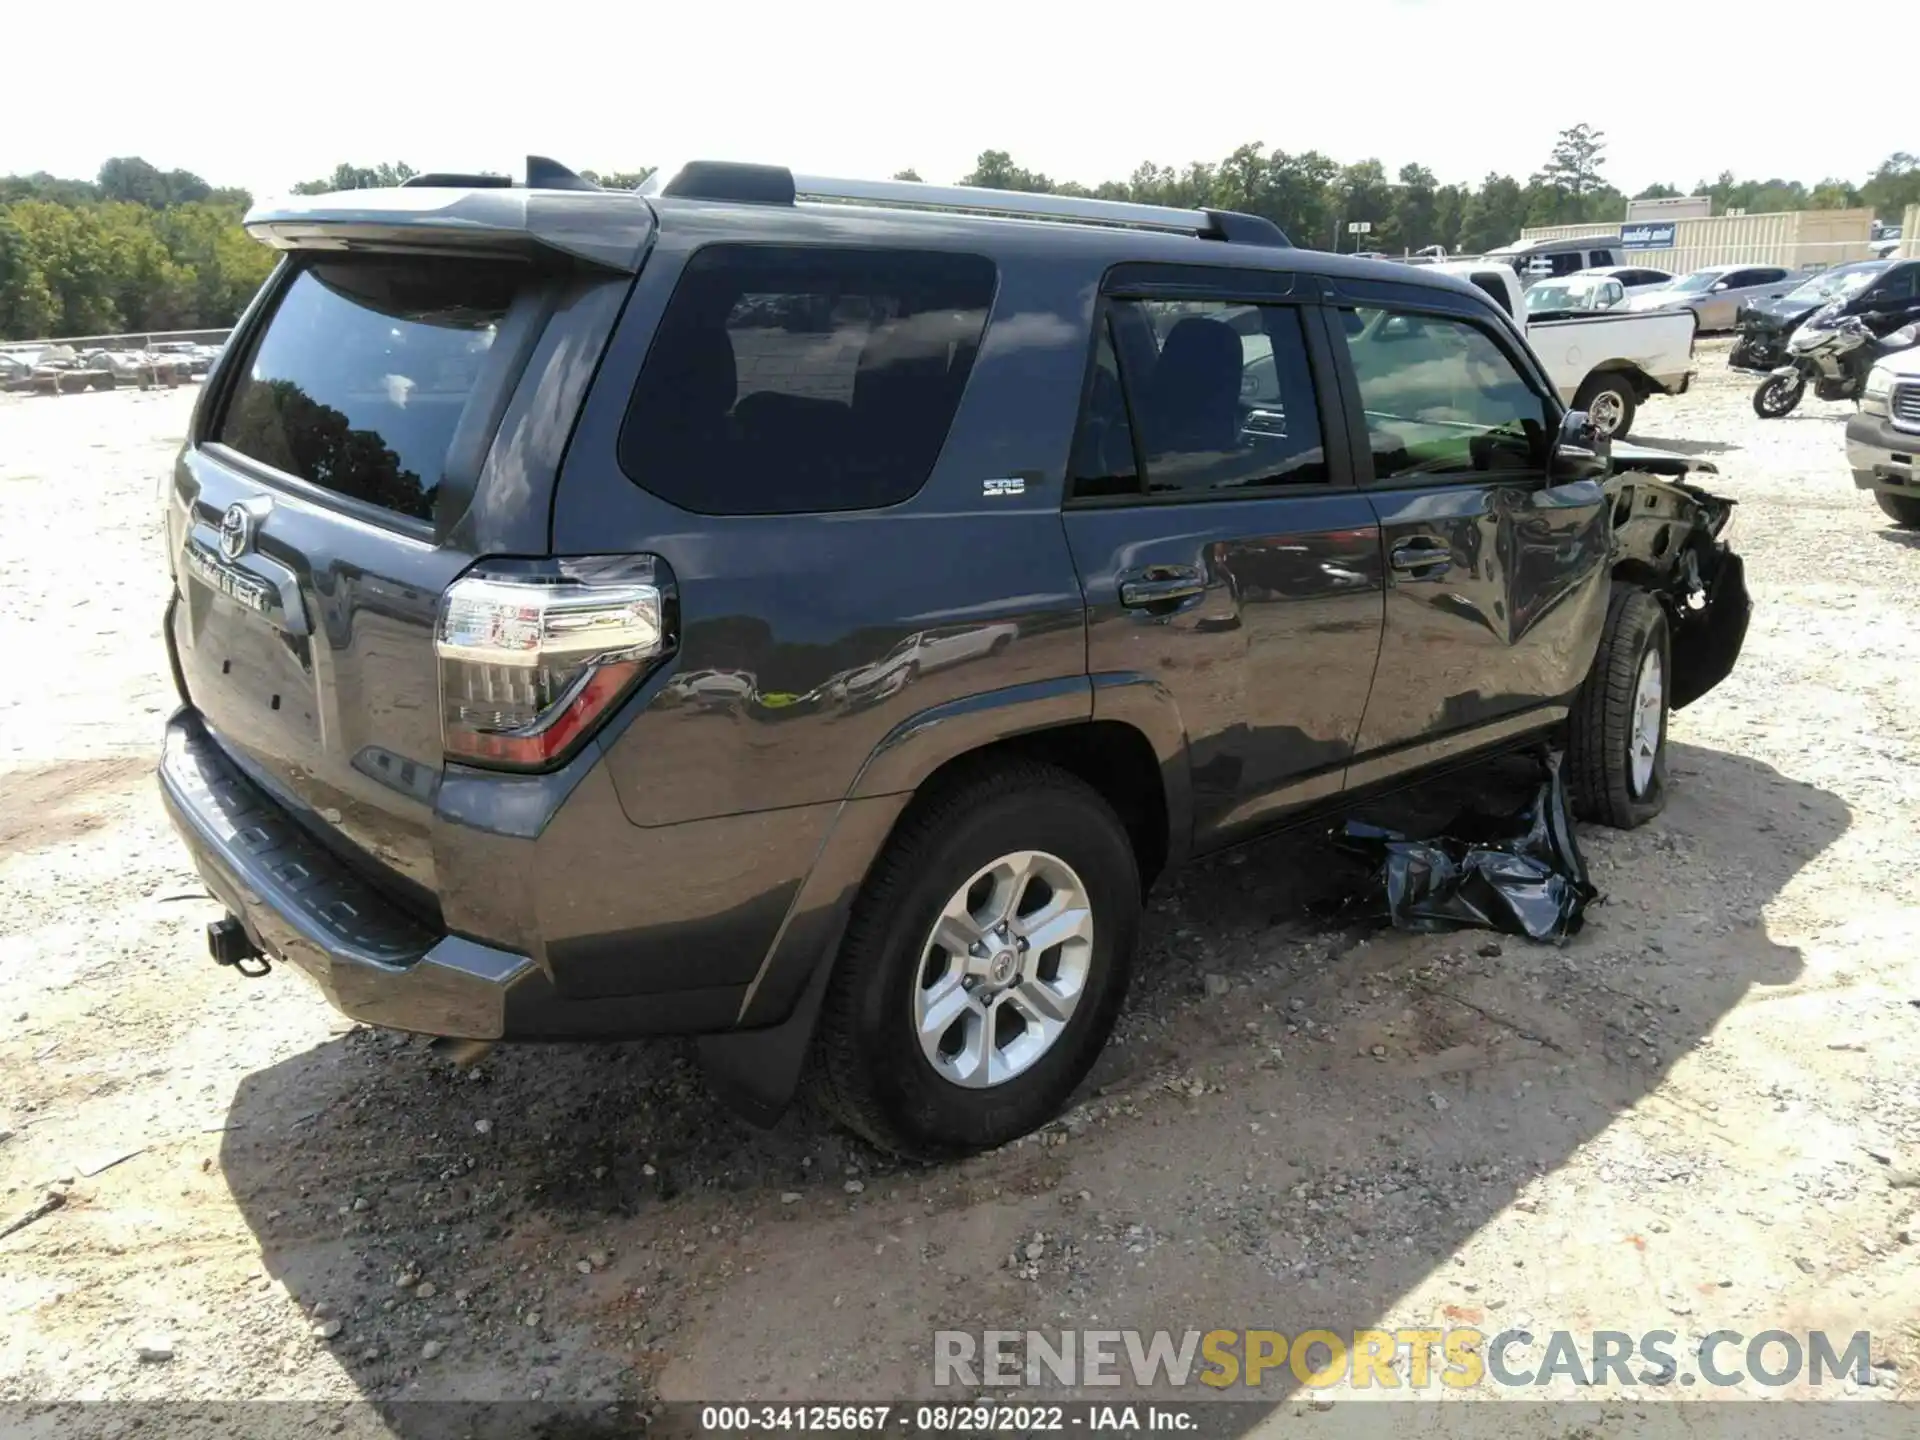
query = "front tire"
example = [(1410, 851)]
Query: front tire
[(944, 1031), (1903, 510), (1778, 395), (1608, 398), (1617, 740)]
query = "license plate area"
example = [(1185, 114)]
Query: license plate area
[(252, 678)]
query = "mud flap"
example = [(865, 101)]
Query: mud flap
[(756, 1073), (1706, 642)]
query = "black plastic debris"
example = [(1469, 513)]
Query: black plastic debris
[(1518, 873)]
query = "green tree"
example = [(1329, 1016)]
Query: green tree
[(68, 253), (1893, 187), (27, 306), (1834, 194), (358, 177), (908, 174), (617, 179), (1449, 213), (129, 178), (42, 186), (1573, 167), (1415, 219), (995, 170), (1494, 215)]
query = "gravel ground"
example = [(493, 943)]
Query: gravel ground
[(1701, 1114)]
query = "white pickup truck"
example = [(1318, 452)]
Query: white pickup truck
[(1605, 362)]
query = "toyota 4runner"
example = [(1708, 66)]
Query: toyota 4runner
[(809, 614)]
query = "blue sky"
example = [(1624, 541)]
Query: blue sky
[(265, 95)]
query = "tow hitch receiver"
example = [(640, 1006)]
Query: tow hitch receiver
[(229, 944)]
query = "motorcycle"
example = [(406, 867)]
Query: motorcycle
[(1834, 357), (1757, 347)]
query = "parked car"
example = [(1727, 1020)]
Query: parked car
[(196, 357), (1765, 324), (1714, 295), (1584, 293), (1883, 438), (135, 367), (1605, 363), (421, 630), (1551, 259), (1634, 279)]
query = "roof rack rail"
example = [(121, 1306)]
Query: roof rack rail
[(772, 184)]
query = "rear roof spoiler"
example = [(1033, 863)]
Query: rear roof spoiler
[(558, 214)]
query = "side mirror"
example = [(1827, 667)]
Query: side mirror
[(1718, 286), (1580, 452)]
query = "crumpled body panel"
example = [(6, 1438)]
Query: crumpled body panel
[(1521, 874)]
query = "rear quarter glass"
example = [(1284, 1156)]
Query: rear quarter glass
[(358, 380), (804, 379)]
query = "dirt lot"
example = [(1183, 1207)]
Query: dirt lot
[(1702, 1114)]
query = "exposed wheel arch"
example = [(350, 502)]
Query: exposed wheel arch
[(1115, 758)]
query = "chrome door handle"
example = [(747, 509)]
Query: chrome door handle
[(1161, 592), (1422, 558)]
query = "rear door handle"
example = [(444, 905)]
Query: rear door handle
[(1422, 557), (1162, 589)]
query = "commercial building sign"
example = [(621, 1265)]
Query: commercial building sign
[(1646, 237)]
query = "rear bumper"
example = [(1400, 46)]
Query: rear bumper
[(368, 955), (301, 905), (1882, 457)]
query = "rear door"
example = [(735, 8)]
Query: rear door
[(1496, 580), (368, 436), (1224, 550), (1756, 283)]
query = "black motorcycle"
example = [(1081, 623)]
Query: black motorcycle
[(1834, 357), (1758, 347)]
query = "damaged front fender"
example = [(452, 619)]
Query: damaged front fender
[(1673, 537)]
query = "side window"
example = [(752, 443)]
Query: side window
[(791, 379), (1103, 459), (1441, 398), (1599, 257), (1220, 397), (1567, 262), (1898, 283)]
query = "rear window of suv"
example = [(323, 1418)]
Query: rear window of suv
[(787, 379), (359, 379)]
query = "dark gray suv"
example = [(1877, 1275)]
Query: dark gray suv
[(809, 614)]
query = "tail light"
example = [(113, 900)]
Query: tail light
[(534, 654)]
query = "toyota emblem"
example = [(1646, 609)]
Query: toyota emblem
[(236, 531)]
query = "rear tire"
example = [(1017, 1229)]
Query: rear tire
[(1611, 774), (877, 1072), (1614, 395), (1903, 510)]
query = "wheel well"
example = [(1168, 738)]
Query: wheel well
[(1640, 382), (1112, 757)]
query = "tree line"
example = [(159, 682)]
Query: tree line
[(139, 248)]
